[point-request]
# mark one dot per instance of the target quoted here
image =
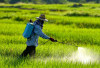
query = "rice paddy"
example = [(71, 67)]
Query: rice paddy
[(75, 26)]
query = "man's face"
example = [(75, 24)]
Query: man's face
[(41, 21)]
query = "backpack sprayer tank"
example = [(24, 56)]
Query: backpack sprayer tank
[(28, 30)]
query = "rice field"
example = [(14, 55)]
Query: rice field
[(75, 26)]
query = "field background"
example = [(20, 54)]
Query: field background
[(72, 25)]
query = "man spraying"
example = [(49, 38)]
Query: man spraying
[(32, 41)]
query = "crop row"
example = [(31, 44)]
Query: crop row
[(82, 22), (45, 6), (12, 33)]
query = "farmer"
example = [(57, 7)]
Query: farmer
[(32, 42)]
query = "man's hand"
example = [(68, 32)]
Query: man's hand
[(53, 40)]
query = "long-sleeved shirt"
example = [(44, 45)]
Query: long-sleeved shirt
[(37, 31)]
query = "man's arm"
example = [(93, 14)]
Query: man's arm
[(39, 32)]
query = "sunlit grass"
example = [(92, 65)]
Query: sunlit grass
[(80, 30)]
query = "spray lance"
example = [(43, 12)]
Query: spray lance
[(59, 42), (65, 43)]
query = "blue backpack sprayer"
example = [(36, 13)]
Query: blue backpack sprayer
[(28, 30)]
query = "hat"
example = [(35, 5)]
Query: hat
[(42, 17)]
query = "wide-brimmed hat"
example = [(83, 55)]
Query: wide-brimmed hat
[(42, 17)]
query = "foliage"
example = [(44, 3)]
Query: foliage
[(73, 26), (48, 1)]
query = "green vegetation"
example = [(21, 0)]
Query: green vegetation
[(49, 1), (75, 26)]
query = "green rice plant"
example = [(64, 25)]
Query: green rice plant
[(52, 58), (57, 18), (81, 22), (80, 31), (13, 32)]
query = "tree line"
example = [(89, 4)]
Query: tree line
[(49, 1)]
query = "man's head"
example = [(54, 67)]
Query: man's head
[(42, 17)]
